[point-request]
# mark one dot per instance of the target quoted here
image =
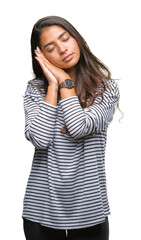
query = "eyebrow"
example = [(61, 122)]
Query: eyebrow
[(53, 42)]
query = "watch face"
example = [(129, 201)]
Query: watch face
[(69, 83)]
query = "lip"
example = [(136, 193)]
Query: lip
[(68, 58)]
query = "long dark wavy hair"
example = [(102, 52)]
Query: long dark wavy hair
[(90, 71)]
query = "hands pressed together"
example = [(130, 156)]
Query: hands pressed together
[(53, 74)]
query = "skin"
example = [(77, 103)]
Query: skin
[(55, 44)]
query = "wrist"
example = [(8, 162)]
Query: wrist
[(63, 78), (53, 86), (52, 94)]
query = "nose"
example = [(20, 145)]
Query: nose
[(62, 49)]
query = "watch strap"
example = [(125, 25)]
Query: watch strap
[(64, 84)]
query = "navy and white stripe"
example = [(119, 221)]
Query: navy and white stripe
[(66, 188)]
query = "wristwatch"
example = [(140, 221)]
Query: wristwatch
[(67, 83)]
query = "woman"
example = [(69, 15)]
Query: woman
[(68, 108)]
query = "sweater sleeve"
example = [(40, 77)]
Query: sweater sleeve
[(95, 118), (40, 118)]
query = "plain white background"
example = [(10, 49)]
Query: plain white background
[(112, 31)]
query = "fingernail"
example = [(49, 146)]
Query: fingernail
[(38, 49), (36, 52)]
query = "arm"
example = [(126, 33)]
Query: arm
[(93, 119), (52, 93), (40, 118)]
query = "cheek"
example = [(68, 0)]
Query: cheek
[(76, 47), (52, 58)]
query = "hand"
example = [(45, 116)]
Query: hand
[(52, 73), (43, 64)]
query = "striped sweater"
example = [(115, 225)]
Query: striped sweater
[(66, 188)]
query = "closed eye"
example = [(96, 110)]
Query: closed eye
[(66, 39), (51, 50), (63, 41)]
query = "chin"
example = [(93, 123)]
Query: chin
[(70, 65)]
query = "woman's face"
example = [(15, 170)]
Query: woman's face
[(59, 47)]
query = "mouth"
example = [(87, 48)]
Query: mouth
[(68, 58)]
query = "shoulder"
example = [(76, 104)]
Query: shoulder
[(35, 90), (112, 83), (35, 87), (36, 82), (111, 93), (113, 88)]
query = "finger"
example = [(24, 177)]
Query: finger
[(43, 63), (42, 58), (43, 66), (41, 53), (40, 62), (48, 74)]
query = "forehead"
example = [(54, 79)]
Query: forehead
[(51, 33)]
